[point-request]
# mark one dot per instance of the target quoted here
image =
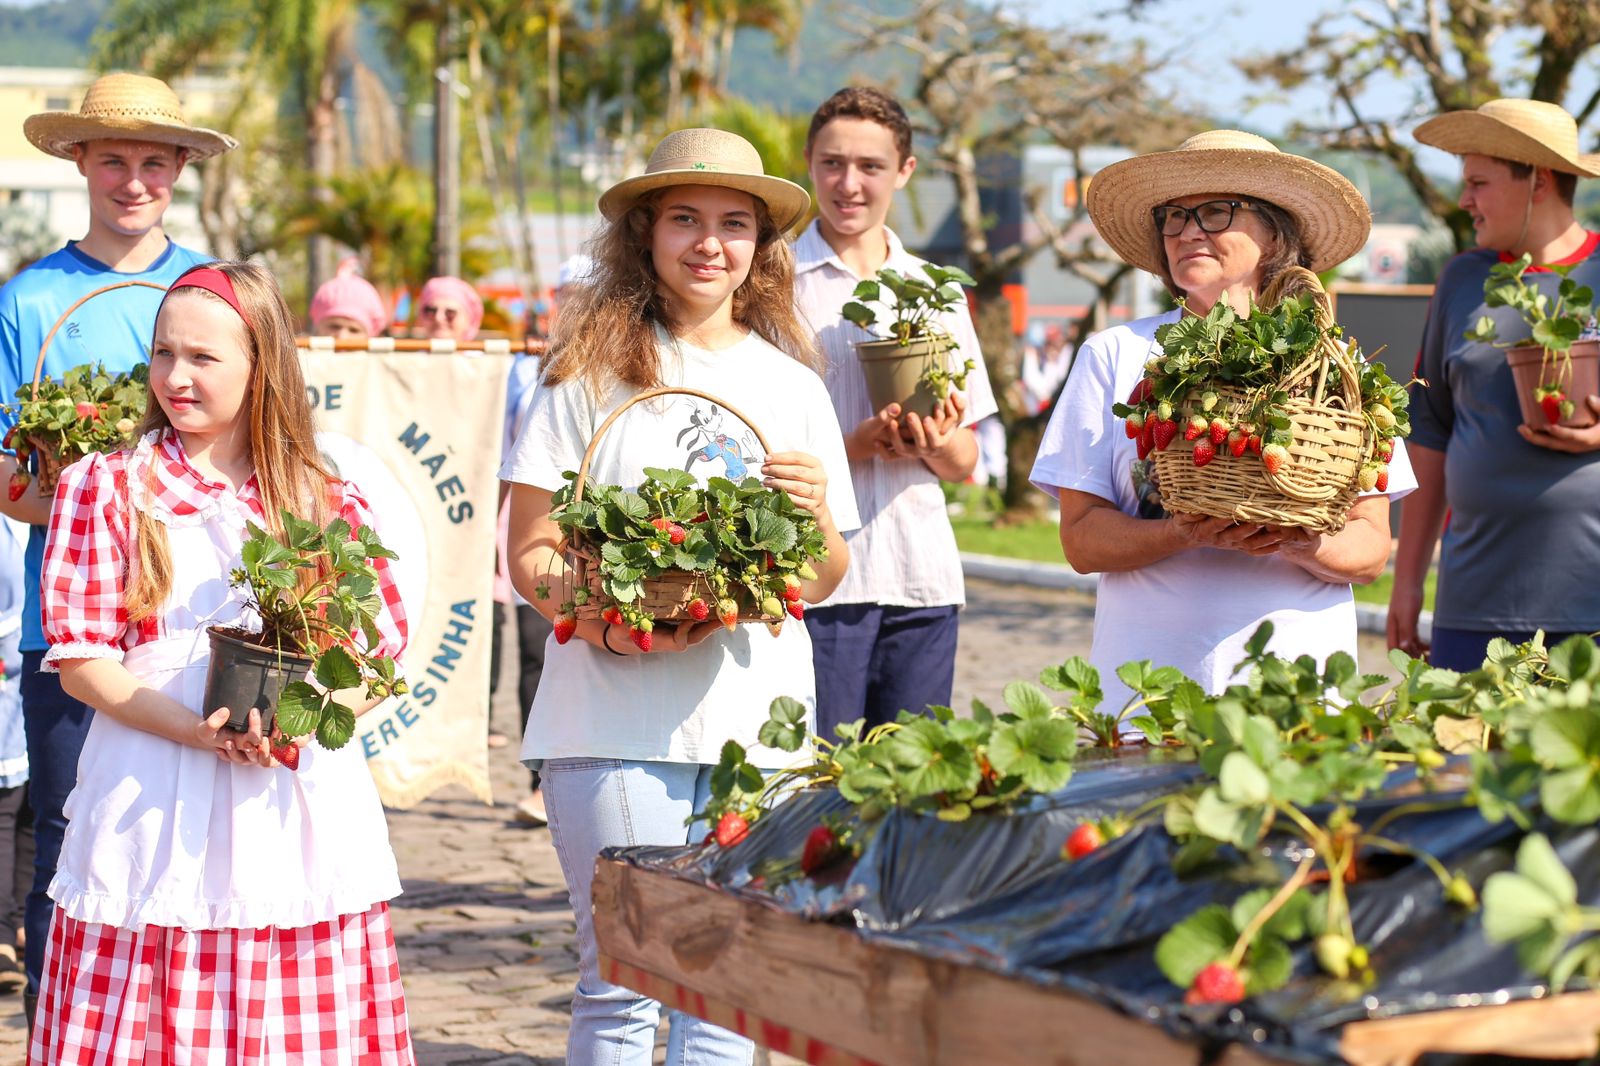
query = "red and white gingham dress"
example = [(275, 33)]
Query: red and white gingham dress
[(206, 912)]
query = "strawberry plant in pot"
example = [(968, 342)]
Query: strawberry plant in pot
[(671, 550), (56, 423), (1270, 417), (910, 366), (1554, 367), (316, 595)]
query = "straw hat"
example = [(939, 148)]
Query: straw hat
[(1334, 219), (709, 157), (1523, 131), (124, 107)]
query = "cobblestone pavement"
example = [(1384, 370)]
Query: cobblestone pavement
[(484, 930)]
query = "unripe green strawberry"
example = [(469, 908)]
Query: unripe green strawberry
[(1382, 417), (805, 572), (1208, 400), (1333, 954), (771, 605), (126, 426), (1164, 411), (1368, 477), (1460, 892)]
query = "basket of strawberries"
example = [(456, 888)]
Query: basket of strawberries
[(671, 550), (1273, 417), (54, 424)]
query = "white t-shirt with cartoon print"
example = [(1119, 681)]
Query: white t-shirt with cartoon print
[(679, 707)]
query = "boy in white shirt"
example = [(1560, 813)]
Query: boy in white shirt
[(885, 640)]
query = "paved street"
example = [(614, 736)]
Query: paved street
[(484, 930)]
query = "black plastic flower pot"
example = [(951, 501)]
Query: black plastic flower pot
[(244, 674)]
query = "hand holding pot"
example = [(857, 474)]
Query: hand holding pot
[(248, 748), (1566, 438)]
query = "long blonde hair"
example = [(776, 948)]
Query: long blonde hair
[(290, 473), (606, 329)]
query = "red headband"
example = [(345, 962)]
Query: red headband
[(211, 280)]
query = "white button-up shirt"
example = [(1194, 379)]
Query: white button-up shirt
[(904, 554)]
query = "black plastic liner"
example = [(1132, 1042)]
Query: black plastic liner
[(994, 892)]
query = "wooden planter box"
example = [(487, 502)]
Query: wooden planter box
[(823, 994)]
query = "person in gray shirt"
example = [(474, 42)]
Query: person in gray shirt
[(1523, 532)]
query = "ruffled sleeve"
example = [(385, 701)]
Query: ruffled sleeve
[(85, 570), (392, 626)]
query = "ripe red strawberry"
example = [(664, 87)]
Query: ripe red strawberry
[(1255, 443), (1219, 430), (728, 612), (819, 849), (1204, 452), (1551, 402), (797, 610), (87, 410), (1140, 393), (1084, 839), (1382, 484), (18, 485), (1237, 442), (1166, 429), (642, 634), (565, 624), (1195, 427), (701, 517), (1133, 425), (612, 615), (1217, 983), (1147, 438), (11, 435), (675, 533), (699, 609), (732, 827), (287, 752), (1273, 456), (791, 588)]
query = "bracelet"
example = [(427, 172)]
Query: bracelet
[(605, 638)]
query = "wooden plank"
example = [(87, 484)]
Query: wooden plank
[(822, 993), (1561, 1027)]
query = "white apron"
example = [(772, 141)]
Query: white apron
[(167, 835)]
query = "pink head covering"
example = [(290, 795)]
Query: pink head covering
[(350, 296), (456, 291)]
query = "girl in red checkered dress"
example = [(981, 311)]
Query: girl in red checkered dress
[(212, 906)]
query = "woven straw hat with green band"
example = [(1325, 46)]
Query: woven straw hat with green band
[(709, 157)]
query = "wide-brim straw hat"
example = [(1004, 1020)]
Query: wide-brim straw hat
[(1523, 131), (1334, 219), (710, 157), (124, 107)]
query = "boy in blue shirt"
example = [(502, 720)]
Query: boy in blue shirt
[(130, 141)]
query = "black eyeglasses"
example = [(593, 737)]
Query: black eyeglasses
[(1213, 216)]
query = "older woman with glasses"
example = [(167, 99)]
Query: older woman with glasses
[(1219, 218)]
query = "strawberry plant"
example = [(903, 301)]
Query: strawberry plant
[(917, 303), (332, 619), (1219, 378), (741, 542), (88, 410), (1535, 906), (1553, 326)]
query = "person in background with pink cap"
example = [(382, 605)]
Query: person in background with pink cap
[(449, 309), (347, 307)]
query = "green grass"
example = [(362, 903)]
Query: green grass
[(1037, 540)]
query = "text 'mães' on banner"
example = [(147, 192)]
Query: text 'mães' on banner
[(420, 436)]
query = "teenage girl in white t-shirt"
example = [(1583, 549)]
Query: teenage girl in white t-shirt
[(692, 285)]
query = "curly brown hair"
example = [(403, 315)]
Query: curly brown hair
[(865, 102), (606, 330)]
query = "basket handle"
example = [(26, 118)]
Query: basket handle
[(38, 365), (650, 394)]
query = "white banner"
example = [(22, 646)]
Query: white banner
[(420, 436)]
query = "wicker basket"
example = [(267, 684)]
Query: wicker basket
[(667, 596), (1318, 484), (48, 463)]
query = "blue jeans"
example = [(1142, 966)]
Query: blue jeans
[(56, 725), (873, 662), (601, 803), (1465, 649)]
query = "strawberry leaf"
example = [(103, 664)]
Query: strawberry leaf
[(338, 725), (1206, 936), (299, 709), (337, 670)]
